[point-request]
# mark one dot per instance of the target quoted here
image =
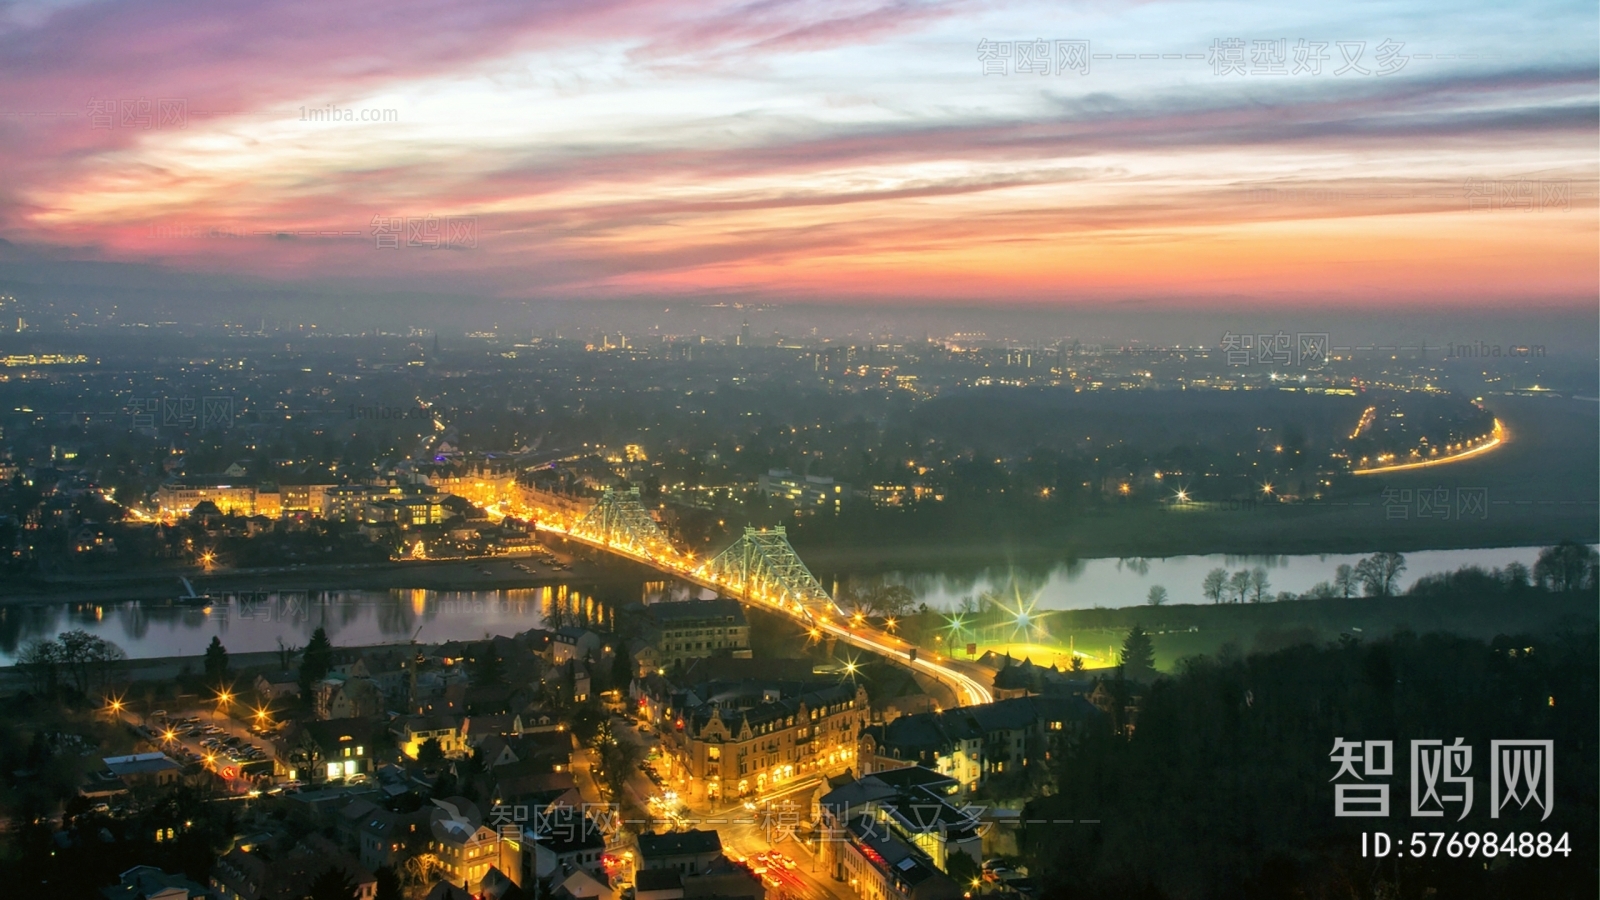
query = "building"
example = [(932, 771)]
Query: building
[(974, 743), (744, 738), (277, 685), (411, 732), (569, 644), (150, 883), (329, 750), (880, 866), (808, 493), (912, 804), (144, 769), (558, 508), (463, 848), (658, 884), (385, 838), (692, 852), (561, 838), (303, 497), (179, 496), (255, 874), (581, 885), (404, 506), (483, 484), (691, 629), (341, 697)]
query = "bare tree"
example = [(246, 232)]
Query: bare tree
[(87, 658), (1157, 595), (1380, 572), (1564, 567), (1345, 580), (1239, 585), (1214, 582), (40, 660), (1258, 583)]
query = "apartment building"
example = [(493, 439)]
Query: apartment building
[(694, 629), (742, 739), (180, 495)]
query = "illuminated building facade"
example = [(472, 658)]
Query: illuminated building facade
[(176, 498), (748, 738), (692, 629)]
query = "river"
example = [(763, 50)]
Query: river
[(1090, 583), (258, 622)]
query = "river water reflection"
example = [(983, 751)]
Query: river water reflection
[(258, 621)]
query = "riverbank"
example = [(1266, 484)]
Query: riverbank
[(427, 575)]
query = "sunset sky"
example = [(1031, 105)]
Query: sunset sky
[(824, 151)]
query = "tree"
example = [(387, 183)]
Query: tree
[(586, 719), (1516, 576), (286, 654), (1239, 585), (1258, 583), (1157, 595), (1138, 654), (1213, 584), (305, 757), (1078, 664), (431, 753), (87, 658), (317, 660), (332, 884), (618, 757), (388, 884), (895, 599), (1564, 567), (40, 660), (1379, 572), (216, 662), (962, 869), (1345, 580), (1322, 590)]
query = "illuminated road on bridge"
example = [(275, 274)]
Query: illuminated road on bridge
[(819, 617)]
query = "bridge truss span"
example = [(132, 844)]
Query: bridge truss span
[(762, 566)]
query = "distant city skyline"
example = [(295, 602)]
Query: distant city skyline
[(836, 152)]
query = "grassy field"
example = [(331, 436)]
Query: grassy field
[(1187, 630)]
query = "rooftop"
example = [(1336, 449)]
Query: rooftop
[(679, 843), (140, 764)]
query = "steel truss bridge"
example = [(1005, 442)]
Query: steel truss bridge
[(760, 569)]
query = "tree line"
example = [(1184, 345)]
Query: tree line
[(73, 659), (1567, 566)]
